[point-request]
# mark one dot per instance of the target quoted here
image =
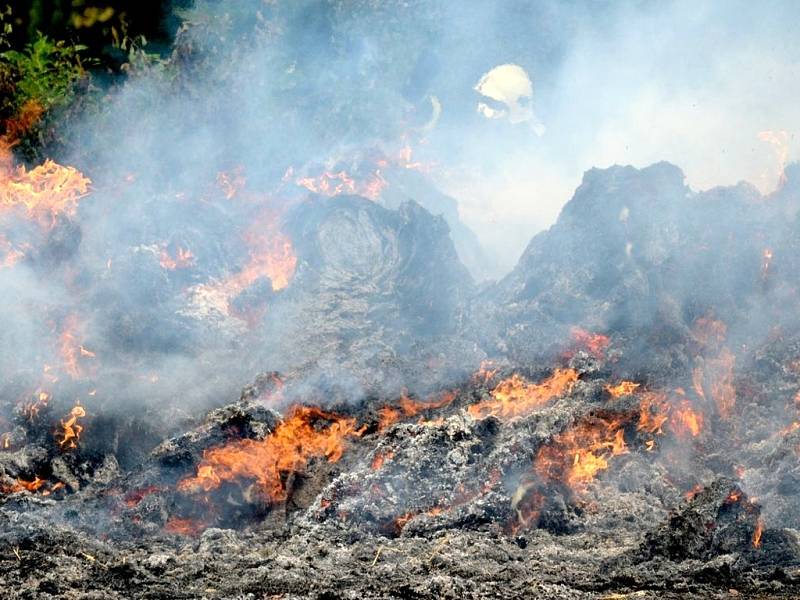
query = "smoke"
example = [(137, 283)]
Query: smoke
[(194, 150), (637, 84)]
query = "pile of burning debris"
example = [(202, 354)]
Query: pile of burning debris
[(616, 417)]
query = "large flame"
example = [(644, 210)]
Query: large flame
[(288, 449), (44, 192), (577, 455), (515, 396)]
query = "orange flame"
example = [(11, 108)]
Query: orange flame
[(70, 349), (30, 410), (594, 343), (231, 182), (411, 408), (577, 455), (288, 449), (759, 531), (685, 420), (44, 192), (380, 458), (70, 433), (335, 184), (515, 396), (653, 409), (624, 388), (183, 260)]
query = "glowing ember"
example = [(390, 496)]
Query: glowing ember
[(288, 449), (70, 431), (515, 396), (186, 527), (380, 458)]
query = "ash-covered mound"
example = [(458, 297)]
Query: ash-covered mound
[(637, 253), (377, 302)]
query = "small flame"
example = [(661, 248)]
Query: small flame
[(182, 260), (70, 430), (30, 410), (72, 351), (766, 261), (759, 531), (624, 388), (594, 343), (335, 184), (410, 408), (231, 183)]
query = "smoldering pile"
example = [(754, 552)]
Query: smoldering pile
[(589, 426)]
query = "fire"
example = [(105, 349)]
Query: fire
[(271, 255), (577, 455), (717, 377), (30, 410), (44, 192), (380, 458), (288, 449), (780, 141), (766, 260), (487, 371), (571, 460), (653, 412), (182, 260), (515, 396), (186, 527), (70, 349), (594, 343), (713, 377), (70, 431), (231, 182), (10, 254), (624, 388), (685, 420), (759, 531), (335, 184), (23, 485), (410, 408)]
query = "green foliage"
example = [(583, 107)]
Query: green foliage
[(46, 71)]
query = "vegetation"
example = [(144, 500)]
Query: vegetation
[(57, 55)]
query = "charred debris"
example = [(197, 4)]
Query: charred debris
[(618, 417)]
